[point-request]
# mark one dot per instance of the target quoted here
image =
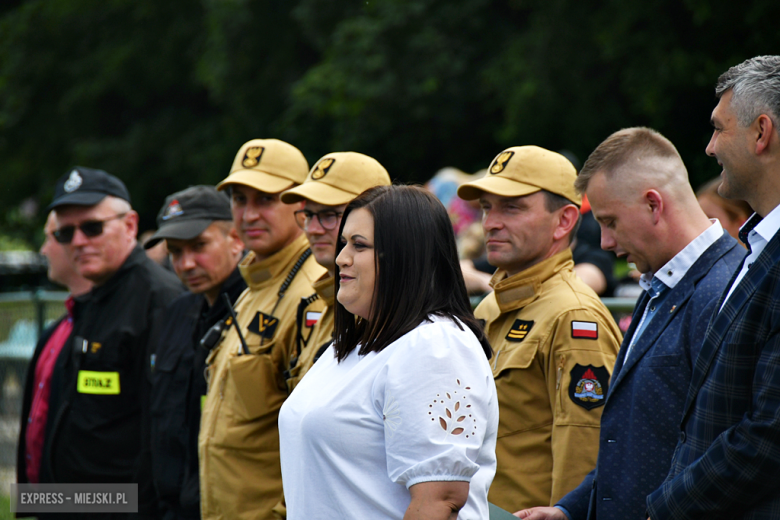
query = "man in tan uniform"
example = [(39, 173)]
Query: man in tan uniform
[(335, 180), (554, 341), (239, 440)]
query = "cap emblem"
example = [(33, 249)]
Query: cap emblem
[(321, 168), (252, 156), (73, 182), (173, 210), (499, 163)]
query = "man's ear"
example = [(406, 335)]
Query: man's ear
[(655, 203), (765, 131), (566, 221), (236, 245), (131, 223)]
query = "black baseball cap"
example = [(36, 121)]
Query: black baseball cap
[(86, 187), (187, 213)]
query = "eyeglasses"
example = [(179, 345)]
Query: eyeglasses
[(90, 228), (329, 219)]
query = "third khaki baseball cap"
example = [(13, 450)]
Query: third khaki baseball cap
[(337, 178), (523, 170), (268, 165)]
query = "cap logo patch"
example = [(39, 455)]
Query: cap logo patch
[(588, 386), (252, 156), (519, 330), (321, 168), (73, 182), (499, 163), (173, 210)]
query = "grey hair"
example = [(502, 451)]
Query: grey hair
[(756, 89)]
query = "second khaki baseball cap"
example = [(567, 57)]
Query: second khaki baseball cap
[(268, 165), (337, 178), (523, 170)]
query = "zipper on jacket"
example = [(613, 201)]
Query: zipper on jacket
[(561, 363)]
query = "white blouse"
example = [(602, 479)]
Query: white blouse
[(355, 435)]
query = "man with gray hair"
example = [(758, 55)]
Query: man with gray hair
[(726, 460)]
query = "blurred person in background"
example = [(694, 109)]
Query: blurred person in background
[(238, 444), (37, 386), (398, 418), (99, 373), (204, 249), (555, 342), (731, 213)]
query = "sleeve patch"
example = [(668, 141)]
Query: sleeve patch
[(584, 329), (589, 385)]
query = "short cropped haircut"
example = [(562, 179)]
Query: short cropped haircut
[(621, 147), (417, 271), (755, 86)]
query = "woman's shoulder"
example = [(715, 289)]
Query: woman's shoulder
[(440, 333)]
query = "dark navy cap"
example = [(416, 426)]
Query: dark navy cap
[(187, 213), (86, 187)]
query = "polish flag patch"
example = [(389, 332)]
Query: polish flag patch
[(584, 329), (312, 318)]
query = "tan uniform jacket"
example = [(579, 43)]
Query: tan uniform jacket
[(238, 446), (317, 336), (551, 377)]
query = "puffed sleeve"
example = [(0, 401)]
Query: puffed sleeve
[(438, 402)]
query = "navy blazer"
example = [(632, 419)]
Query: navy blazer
[(647, 393), (727, 461)]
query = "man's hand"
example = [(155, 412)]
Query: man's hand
[(541, 513)]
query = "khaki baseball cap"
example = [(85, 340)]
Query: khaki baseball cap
[(523, 170), (338, 178), (268, 165)]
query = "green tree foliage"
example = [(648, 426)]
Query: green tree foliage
[(162, 94)]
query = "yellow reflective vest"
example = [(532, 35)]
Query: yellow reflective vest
[(554, 347)]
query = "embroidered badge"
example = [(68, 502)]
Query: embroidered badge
[(585, 329), (499, 163), (519, 330), (263, 325), (321, 168), (252, 156), (453, 411), (588, 386), (173, 210), (73, 182), (312, 318), (95, 347)]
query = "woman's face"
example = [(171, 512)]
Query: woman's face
[(357, 272)]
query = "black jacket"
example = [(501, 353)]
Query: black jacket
[(177, 385), (93, 432)]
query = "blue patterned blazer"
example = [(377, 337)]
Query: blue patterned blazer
[(648, 390), (727, 460)]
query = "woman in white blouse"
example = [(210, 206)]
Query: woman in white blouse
[(399, 418)]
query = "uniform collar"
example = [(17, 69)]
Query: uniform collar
[(325, 287), (515, 292), (260, 274)]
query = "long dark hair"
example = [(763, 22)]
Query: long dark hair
[(417, 271)]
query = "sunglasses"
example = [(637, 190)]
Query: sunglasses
[(90, 228), (329, 219)]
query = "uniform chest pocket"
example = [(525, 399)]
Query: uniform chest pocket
[(514, 357), (258, 386)]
